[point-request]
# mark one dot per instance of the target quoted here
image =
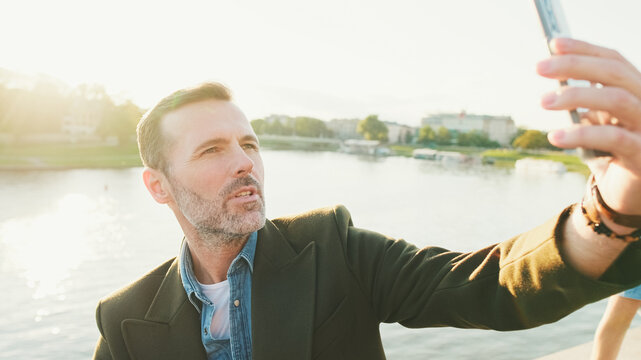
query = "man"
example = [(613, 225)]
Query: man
[(315, 286)]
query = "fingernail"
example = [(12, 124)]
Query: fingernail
[(556, 136), (543, 67), (549, 99)]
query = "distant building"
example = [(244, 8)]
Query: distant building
[(399, 133), (83, 119), (498, 128), (344, 128)]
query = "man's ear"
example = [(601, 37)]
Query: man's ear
[(156, 184)]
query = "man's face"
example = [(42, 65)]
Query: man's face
[(215, 169)]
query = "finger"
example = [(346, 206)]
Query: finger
[(607, 72), (617, 102), (562, 46), (624, 145)]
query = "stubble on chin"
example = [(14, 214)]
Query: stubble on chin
[(216, 224)]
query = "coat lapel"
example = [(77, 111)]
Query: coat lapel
[(171, 326), (283, 293)]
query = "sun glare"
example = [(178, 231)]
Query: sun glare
[(46, 248)]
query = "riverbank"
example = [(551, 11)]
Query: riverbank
[(68, 156), (505, 158), (71, 156)]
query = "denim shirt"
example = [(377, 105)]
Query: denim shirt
[(239, 275)]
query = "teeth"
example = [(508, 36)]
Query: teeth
[(244, 193)]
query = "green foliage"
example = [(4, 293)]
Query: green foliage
[(372, 128), (519, 131), (507, 158), (259, 126), (277, 128), (443, 136), (532, 139), (39, 110), (426, 135), (310, 127), (299, 126), (477, 139), (121, 121), (409, 137)]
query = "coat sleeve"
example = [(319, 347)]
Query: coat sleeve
[(520, 283), (102, 351)]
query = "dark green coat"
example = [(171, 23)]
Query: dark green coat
[(321, 287)]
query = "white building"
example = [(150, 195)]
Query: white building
[(498, 128), (83, 119), (398, 133)]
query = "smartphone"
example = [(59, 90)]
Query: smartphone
[(554, 26)]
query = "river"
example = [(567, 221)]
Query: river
[(68, 238)]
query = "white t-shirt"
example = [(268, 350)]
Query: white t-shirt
[(218, 294)]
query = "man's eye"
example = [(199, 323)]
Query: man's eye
[(250, 146), (210, 150)]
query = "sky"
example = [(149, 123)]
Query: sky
[(400, 59)]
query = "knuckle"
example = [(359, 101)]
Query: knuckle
[(627, 103), (625, 144), (617, 55), (617, 73)]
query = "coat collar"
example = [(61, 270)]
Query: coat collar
[(283, 293), (171, 326)]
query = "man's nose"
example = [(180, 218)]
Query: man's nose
[(243, 164)]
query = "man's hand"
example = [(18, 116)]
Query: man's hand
[(613, 124)]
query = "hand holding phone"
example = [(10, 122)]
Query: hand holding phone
[(555, 26)]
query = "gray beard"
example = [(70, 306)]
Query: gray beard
[(215, 224)]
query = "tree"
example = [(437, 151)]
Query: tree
[(426, 135), (409, 137), (120, 120), (442, 136), (277, 128), (476, 139), (260, 126), (519, 131), (372, 128), (310, 127), (532, 139)]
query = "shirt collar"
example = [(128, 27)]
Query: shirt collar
[(187, 268)]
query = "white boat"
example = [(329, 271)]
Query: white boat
[(428, 154), (533, 166)]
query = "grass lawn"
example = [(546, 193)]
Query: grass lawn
[(45, 156), (507, 158)]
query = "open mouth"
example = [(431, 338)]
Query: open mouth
[(244, 193)]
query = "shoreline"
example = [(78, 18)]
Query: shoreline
[(39, 157)]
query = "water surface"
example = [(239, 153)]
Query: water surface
[(68, 238)]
